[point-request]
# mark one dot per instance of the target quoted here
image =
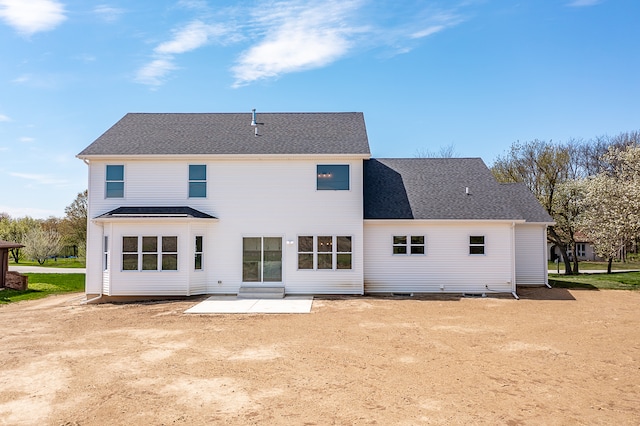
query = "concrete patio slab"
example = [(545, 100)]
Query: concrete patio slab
[(233, 305)]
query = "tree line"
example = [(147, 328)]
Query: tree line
[(51, 237), (590, 188)]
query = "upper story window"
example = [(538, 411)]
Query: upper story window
[(476, 244), (333, 177), (197, 180), (114, 181), (408, 244)]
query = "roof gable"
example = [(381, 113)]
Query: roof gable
[(233, 134)]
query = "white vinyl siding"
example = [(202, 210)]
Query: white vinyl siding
[(531, 255), (448, 268), (278, 198), (265, 197)]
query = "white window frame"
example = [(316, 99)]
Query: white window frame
[(105, 250), (477, 245), (198, 253), (409, 245), (334, 253), (320, 176), (107, 181), (205, 181), (159, 253)]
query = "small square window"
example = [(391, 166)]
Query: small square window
[(476, 244), (333, 177), (413, 244)]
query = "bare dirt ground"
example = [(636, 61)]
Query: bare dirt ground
[(554, 357)]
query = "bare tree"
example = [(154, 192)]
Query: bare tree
[(448, 151), (543, 166)]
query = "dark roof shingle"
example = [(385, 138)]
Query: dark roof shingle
[(436, 188), (232, 134), (147, 211)]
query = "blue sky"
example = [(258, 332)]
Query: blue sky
[(477, 75)]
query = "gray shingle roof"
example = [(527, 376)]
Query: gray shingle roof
[(179, 211), (526, 203), (435, 188), (232, 133)]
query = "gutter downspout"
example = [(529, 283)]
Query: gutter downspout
[(546, 258), (85, 302), (513, 261)]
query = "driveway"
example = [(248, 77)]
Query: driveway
[(46, 270)]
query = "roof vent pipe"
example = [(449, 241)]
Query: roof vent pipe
[(253, 118), (466, 190)]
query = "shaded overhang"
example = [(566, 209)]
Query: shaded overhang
[(154, 212)]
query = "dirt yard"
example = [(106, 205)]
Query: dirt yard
[(554, 357)]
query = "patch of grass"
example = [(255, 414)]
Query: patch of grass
[(614, 281), (591, 266), (42, 285)]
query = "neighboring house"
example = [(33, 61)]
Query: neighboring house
[(584, 250), (185, 204)]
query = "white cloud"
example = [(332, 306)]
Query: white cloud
[(194, 4), (40, 179), (4, 118), (583, 3), (32, 16), (108, 13), (194, 35), (26, 139), (298, 36), (295, 35), (155, 72), (428, 31), (190, 37)]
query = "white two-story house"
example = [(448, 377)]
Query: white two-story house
[(187, 204)]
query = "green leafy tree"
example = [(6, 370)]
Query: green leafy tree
[(73, 227), (14, 230)]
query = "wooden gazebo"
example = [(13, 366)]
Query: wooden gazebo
[(5, 246)]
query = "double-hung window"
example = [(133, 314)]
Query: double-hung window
[(326, 252), (197, 264), (169, 253), (476, 244), (114, 179), (332, 177), (408, 244), (105, 250), (197, 181)]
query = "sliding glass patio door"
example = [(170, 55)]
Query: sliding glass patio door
[(262, 259)]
